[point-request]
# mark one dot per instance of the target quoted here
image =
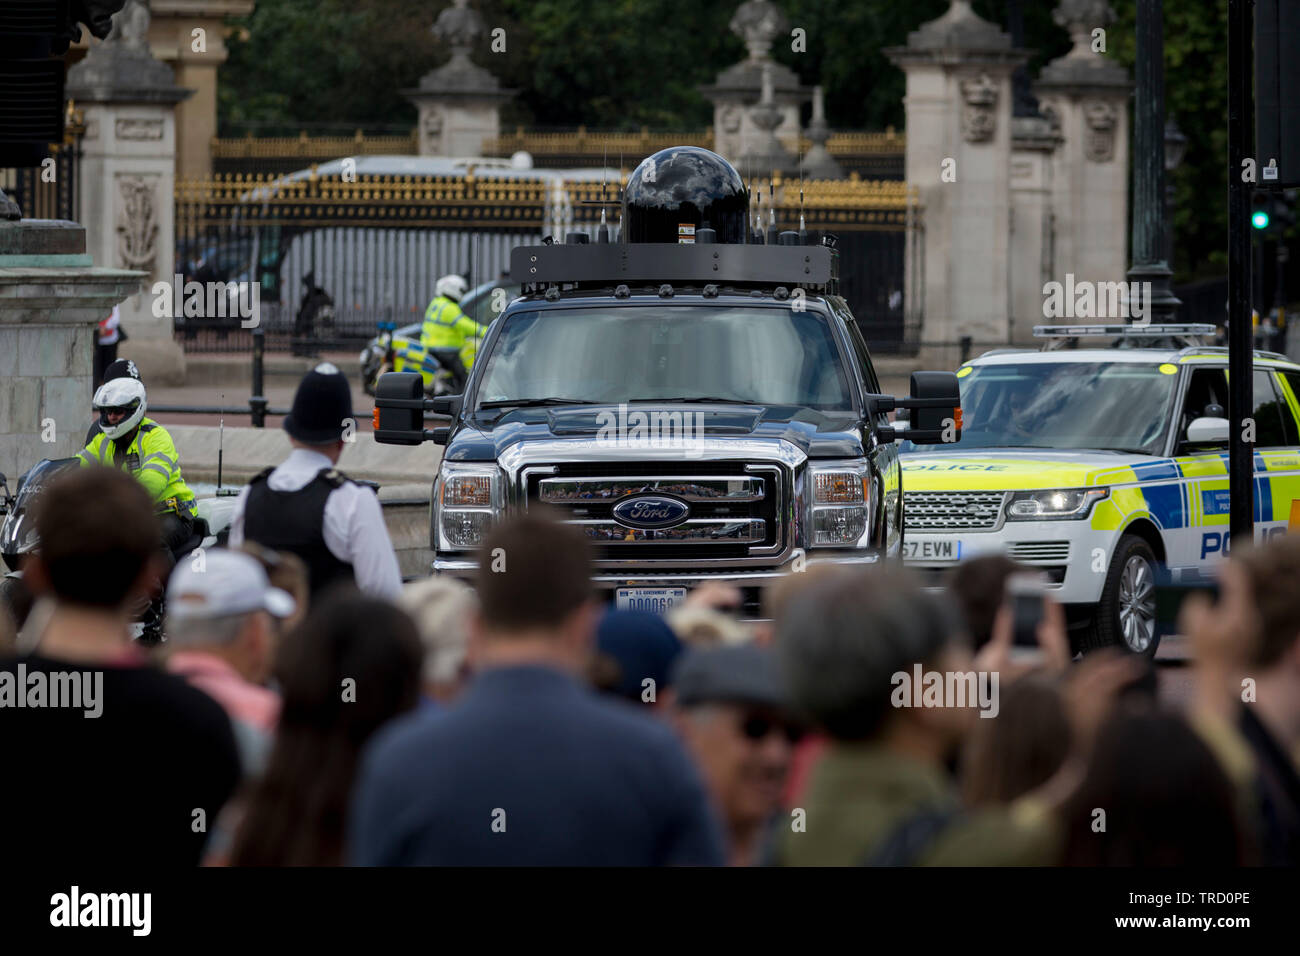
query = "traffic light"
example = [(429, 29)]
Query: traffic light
[(1277, 91), (1273, 211)]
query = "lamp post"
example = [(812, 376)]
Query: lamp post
[(1175, 149), (1148, 238)]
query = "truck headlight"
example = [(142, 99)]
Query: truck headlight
[(840, 505), (1070, 503), (467, 500)]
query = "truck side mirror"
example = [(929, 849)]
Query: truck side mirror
[(399, 409), (936, 405)]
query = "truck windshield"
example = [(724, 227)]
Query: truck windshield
[(763, 356), (1117, 406)]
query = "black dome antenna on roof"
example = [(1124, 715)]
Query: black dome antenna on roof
[(673, 192)]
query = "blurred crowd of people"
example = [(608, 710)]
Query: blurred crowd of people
[(523, 722)]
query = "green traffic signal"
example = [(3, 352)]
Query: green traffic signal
[(1260, 219)]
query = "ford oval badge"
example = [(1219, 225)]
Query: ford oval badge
[(651, 511)]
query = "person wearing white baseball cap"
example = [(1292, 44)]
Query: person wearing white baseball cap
[(219, 606)]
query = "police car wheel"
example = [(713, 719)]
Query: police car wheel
[(1126, 614)]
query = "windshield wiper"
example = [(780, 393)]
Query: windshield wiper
[(696, 400), (533, 402)]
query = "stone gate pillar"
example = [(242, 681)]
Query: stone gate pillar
[(958, 105), (1085, 95), (459, 102), (127, 175)]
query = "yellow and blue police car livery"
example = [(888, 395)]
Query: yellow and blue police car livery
[(1101, 492)]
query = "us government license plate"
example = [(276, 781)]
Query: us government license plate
[(654, 600), (941, 549)]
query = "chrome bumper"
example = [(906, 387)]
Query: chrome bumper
[(465, 569)]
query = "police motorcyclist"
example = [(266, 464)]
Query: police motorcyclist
[(307, 507), (123, 438), (447, 327)]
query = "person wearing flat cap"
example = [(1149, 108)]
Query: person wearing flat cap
[(730, 707), (308, 507)]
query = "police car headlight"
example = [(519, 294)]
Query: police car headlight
[(1060, 503), (840, 505), (467, 500)]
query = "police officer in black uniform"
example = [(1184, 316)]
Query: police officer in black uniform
[(308, 507)]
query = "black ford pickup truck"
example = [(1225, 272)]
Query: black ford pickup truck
[(703, 405)]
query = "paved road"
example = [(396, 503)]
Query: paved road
[(279, 393)]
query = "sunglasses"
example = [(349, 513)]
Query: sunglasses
[(757, 727)]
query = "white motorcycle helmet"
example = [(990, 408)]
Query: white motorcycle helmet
[(453, 287), (120, 395)]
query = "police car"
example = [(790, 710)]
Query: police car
[(1104, 468)]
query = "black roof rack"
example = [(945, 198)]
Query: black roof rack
[(805, 267)]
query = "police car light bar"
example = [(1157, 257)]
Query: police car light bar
[(1110, 331), (801, 266)]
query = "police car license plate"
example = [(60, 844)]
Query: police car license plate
[(653, 600), (943, 549)]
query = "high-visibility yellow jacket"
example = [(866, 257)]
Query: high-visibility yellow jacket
[(447, 327), (151, 458)]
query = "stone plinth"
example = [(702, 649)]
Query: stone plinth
[(51, 297), (127, 178)]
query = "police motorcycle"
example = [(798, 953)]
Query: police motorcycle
[(398, 349), (18, 539)]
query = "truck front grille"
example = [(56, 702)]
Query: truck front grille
[(952, 510), (733, 508)]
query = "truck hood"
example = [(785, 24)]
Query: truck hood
[(996, 469), (816, 434)]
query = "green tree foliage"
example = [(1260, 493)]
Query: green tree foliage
[(1196, 95), (295, 65), (622, 64)]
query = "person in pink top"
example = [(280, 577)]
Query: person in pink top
[(222, 639)]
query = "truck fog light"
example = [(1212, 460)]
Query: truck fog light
[(844, 526), (465, 529)]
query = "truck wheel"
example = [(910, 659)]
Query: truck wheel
[(1126, 614)]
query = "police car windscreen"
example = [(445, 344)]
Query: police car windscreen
[(1117, 406), (753, 354)]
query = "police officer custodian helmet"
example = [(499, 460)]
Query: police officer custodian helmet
[(321, 406), (680, 189)]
